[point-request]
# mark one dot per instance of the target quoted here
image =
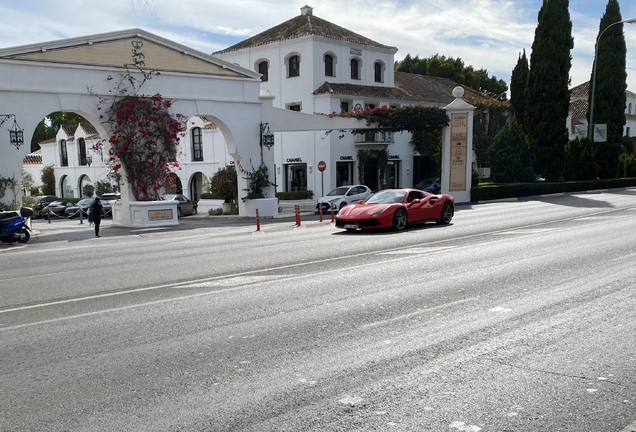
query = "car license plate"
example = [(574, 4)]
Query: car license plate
[(350, 226)]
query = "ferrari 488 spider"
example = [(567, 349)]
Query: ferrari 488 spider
[(396, 208)]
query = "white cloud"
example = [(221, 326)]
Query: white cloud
[(486, 34)]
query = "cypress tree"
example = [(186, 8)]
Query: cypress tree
[(509, 156), (518, 84), (547, 94), (611, 83)]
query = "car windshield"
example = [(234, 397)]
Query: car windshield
[(55, 203), (170, 197), (342, 190), (387, 197), (426, 183), (86, 201)]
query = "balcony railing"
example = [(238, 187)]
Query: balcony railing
[(375, 138)]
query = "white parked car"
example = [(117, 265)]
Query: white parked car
[(343, 195)]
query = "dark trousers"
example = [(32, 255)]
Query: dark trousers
[(96, 222)]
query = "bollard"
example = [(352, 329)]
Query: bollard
[(48, 216), (320, 211), (333, 215), (80, 212), (297, 209), (258, 221)]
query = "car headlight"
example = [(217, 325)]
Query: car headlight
[(378, 212), (334, 200)]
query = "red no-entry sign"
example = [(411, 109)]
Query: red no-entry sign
[(322, 166)]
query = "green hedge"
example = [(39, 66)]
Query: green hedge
[(208, 195), (492, 191), (295, 195)]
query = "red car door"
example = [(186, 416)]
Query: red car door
[(417, 207)]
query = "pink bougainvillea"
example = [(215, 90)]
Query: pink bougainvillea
[(144, 139)]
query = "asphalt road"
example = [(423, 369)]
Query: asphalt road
[(519, 316)]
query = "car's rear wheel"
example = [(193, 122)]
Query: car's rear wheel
[(194, 210), (399, 219), (178, 212), (447, 214)]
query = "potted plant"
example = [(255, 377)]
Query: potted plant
[(256, 198), (224, 184)]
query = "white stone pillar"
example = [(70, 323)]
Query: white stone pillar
[(457, 149)]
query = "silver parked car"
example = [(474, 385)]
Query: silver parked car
[(185, 206), (343, 195)]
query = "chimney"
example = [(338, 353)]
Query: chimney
[(306, 10)]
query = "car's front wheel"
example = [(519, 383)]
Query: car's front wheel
[(178, 212), (447, 214), (344, 203), (194, 210), (399, 219)]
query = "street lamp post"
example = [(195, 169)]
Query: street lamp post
[(590, 131)]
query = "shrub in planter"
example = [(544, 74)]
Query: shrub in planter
[(208, 195), (295, 195), (224, 184)]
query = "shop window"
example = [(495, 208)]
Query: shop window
[(393, 174), (295, 177), (63, 153), (263, 68), (197, 144), (344, 173)]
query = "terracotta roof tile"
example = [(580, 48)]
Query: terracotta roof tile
[(69, 130), (32, 158), (580, 91), (412, 87), (89, 129), (302, 25)]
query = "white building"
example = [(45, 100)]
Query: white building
[(78, 158), (578, 111), (313, 66)]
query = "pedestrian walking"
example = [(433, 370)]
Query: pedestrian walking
[(97, 210)]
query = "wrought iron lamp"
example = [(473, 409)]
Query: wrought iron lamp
[(16, 134), (267, 138)]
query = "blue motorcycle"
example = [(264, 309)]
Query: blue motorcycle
[(14, 227)]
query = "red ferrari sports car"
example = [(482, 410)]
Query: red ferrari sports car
[(396, 208)]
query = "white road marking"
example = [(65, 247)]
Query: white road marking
[(526, 231), (630, 428), (463, 427), (500, 309), (417, 250), (351, 400), (37, 276), (234, 281)]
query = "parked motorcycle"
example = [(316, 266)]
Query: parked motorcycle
[(14, 227)]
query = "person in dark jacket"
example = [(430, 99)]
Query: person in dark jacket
[(97, 209)]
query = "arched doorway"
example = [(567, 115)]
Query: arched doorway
[(199, 184), (173, 184), (85, 181), (66, 187)]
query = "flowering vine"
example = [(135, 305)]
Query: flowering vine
[(144, 136)]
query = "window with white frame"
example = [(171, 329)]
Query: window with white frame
[(330, 63), (356, 64), (378, 68), (263, 68), (294, 106), (293, 65), (197, 144), (81, 152), (63, 153)]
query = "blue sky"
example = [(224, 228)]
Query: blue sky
[(486, 34)]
